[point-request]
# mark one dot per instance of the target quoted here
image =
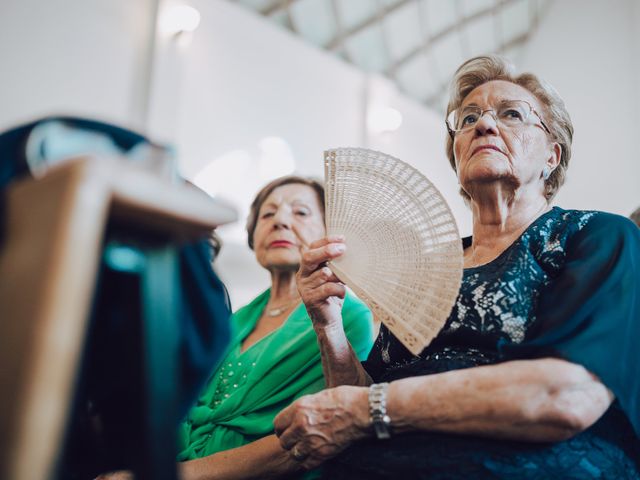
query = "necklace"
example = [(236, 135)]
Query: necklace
[(274, 312)]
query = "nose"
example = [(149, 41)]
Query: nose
[(282, 219), (487, 124)]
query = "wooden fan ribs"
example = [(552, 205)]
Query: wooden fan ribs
[(404, 257)]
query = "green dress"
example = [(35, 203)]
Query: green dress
[(250, 388)]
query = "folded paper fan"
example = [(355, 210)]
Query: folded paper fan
[(404, 254)]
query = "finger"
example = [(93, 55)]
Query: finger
[(306, 244), (323, 292), (319, 277), (283, 421), (326, 240), (311, 259), (290, 437)]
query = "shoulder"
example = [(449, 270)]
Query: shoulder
[(601, 240), (562, 234), (572, 220), (567, 224), (598, 225)]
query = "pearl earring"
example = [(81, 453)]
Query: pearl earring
[(546, 172)]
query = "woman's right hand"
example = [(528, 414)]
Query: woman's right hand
[(321, 291)]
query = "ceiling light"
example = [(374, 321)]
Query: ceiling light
[(217, 176), (382, 120), (178, 18)]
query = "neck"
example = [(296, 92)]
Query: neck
[(499, 214), (283, 287), (498, 220)]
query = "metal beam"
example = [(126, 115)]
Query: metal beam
[(514, 42), (290, 23), (337, 41), (340, 28), (384, 33), (447, 31), (276, 6)]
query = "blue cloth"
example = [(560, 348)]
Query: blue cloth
[(203, 328), (13, 156), (590, 313)]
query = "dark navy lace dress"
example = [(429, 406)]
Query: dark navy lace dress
[(568, 287)]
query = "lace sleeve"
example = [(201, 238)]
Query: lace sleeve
[(590, 313)]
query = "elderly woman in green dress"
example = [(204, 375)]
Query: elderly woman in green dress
[(274, 356)]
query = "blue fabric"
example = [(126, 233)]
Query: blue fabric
[(112, 362), (568, 287), (590, 313), (206, 327), (13, 161)]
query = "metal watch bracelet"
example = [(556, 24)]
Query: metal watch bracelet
[(380, 421)]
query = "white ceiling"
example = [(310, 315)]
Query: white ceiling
[(416, 43)]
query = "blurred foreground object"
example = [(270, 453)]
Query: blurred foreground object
[(112, 317)]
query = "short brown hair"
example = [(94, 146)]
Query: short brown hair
[(261, 196), (483, 69)]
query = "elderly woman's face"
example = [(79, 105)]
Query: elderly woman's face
[(290, 207), (491, 151)]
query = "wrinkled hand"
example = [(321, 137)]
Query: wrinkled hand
[(119, 475), (321, 291), (317, 427)]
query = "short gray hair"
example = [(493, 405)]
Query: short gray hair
[(483, 69)]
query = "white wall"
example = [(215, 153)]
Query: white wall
[(245, 79), (590, 52), (77, 57), (242, 79)]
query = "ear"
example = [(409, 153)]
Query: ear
[(554, 156)]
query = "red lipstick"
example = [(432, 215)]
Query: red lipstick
[(280, 244)]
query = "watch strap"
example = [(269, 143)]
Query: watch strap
[(380, 421)]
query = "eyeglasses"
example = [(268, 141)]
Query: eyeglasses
[(509, 113)]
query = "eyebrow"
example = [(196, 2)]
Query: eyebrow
[(501, 100), (295, 202)]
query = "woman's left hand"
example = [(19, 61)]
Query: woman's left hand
[(317, 427), (119, 475)]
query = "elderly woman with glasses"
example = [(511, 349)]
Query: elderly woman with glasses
[(534, 374)]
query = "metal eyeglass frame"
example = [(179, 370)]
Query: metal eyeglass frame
[(453, 132)]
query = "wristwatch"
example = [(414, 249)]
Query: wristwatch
[(378, 410)]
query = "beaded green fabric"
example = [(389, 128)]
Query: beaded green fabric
[(250, 388)]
